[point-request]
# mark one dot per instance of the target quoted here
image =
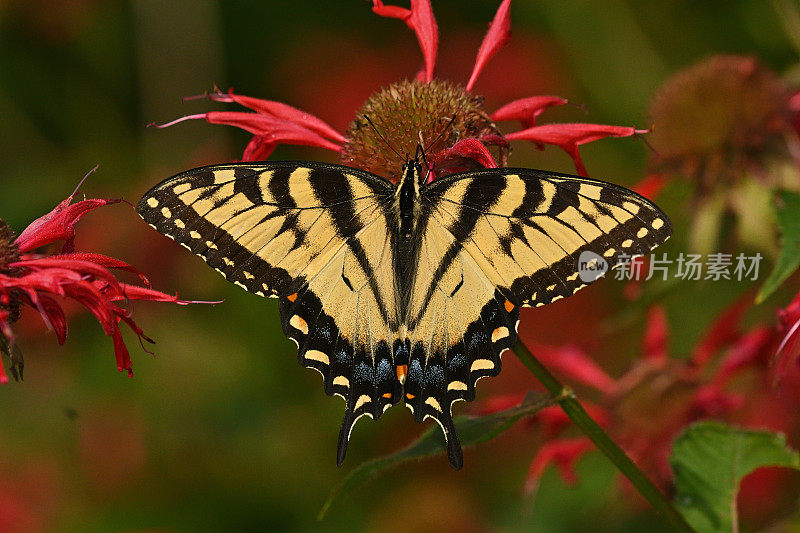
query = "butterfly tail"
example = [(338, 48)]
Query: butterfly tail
[(344, 436)]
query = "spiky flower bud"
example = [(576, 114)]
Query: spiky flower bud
[(716, 117), (725, 123)]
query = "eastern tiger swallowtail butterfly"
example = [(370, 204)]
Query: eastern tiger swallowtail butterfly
[(401, 293)]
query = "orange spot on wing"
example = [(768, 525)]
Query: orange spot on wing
[(292, 297), (387, 395), (402, 370), (410, 396), (509, 306)]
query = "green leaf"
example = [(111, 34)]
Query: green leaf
[(471, 431), (787, 211), (710, 459)]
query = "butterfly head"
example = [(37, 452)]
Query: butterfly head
[(416, 169)]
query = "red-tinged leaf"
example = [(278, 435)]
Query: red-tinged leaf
[(562, 453), (56, 225), (722, 332), (498, 35), (422, 22), (573, 362), (569, 137), (786, 209), (282, 111), (527, 109), (466, 149), (655, 343), (258, 149)]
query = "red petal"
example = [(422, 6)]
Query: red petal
[(57, 224), (574, 363), (563, 453), (553, 418), (104, 261), (754, 347), (495, 404), (712, 402), (282, 111), (527, 109), (60, 267), (569, 136), (722, 332), (87, 295), (651, 186), (273, 130), (498, 35), (55, 317), (121, 353), (656, 341), (421, 20), (135, 292), (560, 134)]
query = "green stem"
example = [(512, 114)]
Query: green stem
[(579, 416)]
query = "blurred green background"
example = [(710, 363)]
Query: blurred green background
[(222, 430)]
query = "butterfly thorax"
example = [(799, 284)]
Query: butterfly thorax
[(408, 199)]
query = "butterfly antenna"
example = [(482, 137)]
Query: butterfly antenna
[(384, 139), (440, 135)]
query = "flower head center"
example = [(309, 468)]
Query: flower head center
[(411, 113), (8, 254), (8, 250)]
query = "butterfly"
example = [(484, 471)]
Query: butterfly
[(406, 292)]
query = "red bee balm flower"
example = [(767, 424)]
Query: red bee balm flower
[(40, 280), (418, 111), (659, 395)]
